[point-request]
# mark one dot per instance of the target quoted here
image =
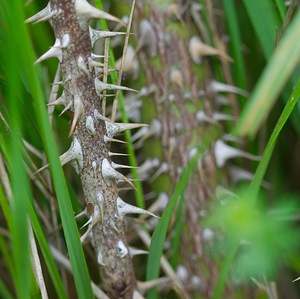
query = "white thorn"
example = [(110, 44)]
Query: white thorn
[(216, 117), (108, 139), (94, 165), (111, 154), (131, 63), (100, 86), (85, 11), (198, 49), (100, 259), (54, 51), (223, 152), (116, 165), (153, 130), (88, 222), (82, 67), (65, 41), (43, 15), (89, 124), (137, 295), (125, 208), (98, 34), (222, 87), (147, 38), (113, 128), (135, 251), (100, 202), (96, 56), (146, 168), (122, 251), (164, 168), (110, 174), (73, 153), (60, 101), (68, 106), (176, 77), (78, 111), (86, 237), (160, 204)]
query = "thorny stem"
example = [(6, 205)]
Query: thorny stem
[(106, 232)]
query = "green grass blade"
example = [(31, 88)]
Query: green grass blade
[(235, 43), (263, 164), (4, 293), (79, 267), (277, 72), (265, 22), (159, 235)]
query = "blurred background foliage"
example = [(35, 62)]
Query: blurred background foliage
[(257, 227)]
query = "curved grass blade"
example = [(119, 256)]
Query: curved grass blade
[(277, 72), (79, 267), (159, 235)]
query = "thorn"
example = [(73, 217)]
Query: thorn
[(198, 49), (137, 295), (96, 56), (125, 208), (215, 118), (65, 41), (222, 87), (54, 51), (131, 63), (146, 168), (100, 201), (82, 67), (122, 251), (43, 15), (135, 251), (73, 153), (89, 124), (98, 34), (115, 165), (85, 12), (86, 237), (60, 101), (78, 111), (223, 152), (113, 128), (176, 77), (111, 154), (100, 86), (69, 106), (110, 174), (108, 139), (147, 39), (164, 168)]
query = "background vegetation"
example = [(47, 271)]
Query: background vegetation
[(265, 46)]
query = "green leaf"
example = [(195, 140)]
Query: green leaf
[(275, 75)]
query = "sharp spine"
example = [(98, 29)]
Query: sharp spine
[(98, 34), (125, 208), (54, 51), (109, 174), (109, 139), (116, 165), (85, 12), (114, 128), (60, 101), (78, 111), (223, 152), (43, 15), (68, 106), (100, 86), (121, 249), (73, 153), (89, 124), (135, 251), (82, 66)]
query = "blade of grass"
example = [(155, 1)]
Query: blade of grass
[(79, 267), (236, 43), (265, 22), (275, 75), (159, 234)]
